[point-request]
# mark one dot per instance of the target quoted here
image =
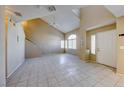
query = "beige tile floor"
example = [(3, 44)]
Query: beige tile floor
[(63, 70)]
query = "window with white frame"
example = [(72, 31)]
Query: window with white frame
[(66, 44), (93, 44), (62, 44), (71, 42)]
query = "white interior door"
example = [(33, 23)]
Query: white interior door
[(106, 48)]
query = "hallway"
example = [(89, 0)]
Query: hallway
[(63, 70)]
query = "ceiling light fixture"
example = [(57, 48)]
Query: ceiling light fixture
[(51, 8)]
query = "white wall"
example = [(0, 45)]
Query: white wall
[(2, 47), (15, 47)]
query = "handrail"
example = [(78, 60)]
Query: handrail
[(34, 44), (31, 41)]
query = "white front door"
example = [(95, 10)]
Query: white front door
[(106, 48)]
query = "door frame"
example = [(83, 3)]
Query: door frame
[(97, 45)]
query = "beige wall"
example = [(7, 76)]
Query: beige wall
[(2, 48), (120, 42), (29, 47), (71, 51), (95, 15), (92, 16), (46, 39), (15, 46), (94, 31)]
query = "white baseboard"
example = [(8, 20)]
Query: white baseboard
[(15, 69)]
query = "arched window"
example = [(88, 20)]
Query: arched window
[(71, 42), (73, 36)]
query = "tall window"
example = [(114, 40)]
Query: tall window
[(71, 41), (62, 44), (93, 44), (66, 44)]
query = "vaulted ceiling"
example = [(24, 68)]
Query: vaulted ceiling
[(64, 17), (116, 10)]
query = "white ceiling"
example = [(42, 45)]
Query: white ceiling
[(116, 10), (27, 11), (66, 17)]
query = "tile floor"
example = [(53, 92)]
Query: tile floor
[(63, 70)]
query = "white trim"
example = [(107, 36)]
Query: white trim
[(15, 69)]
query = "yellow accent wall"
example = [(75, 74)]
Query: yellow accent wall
[(43, 38)]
